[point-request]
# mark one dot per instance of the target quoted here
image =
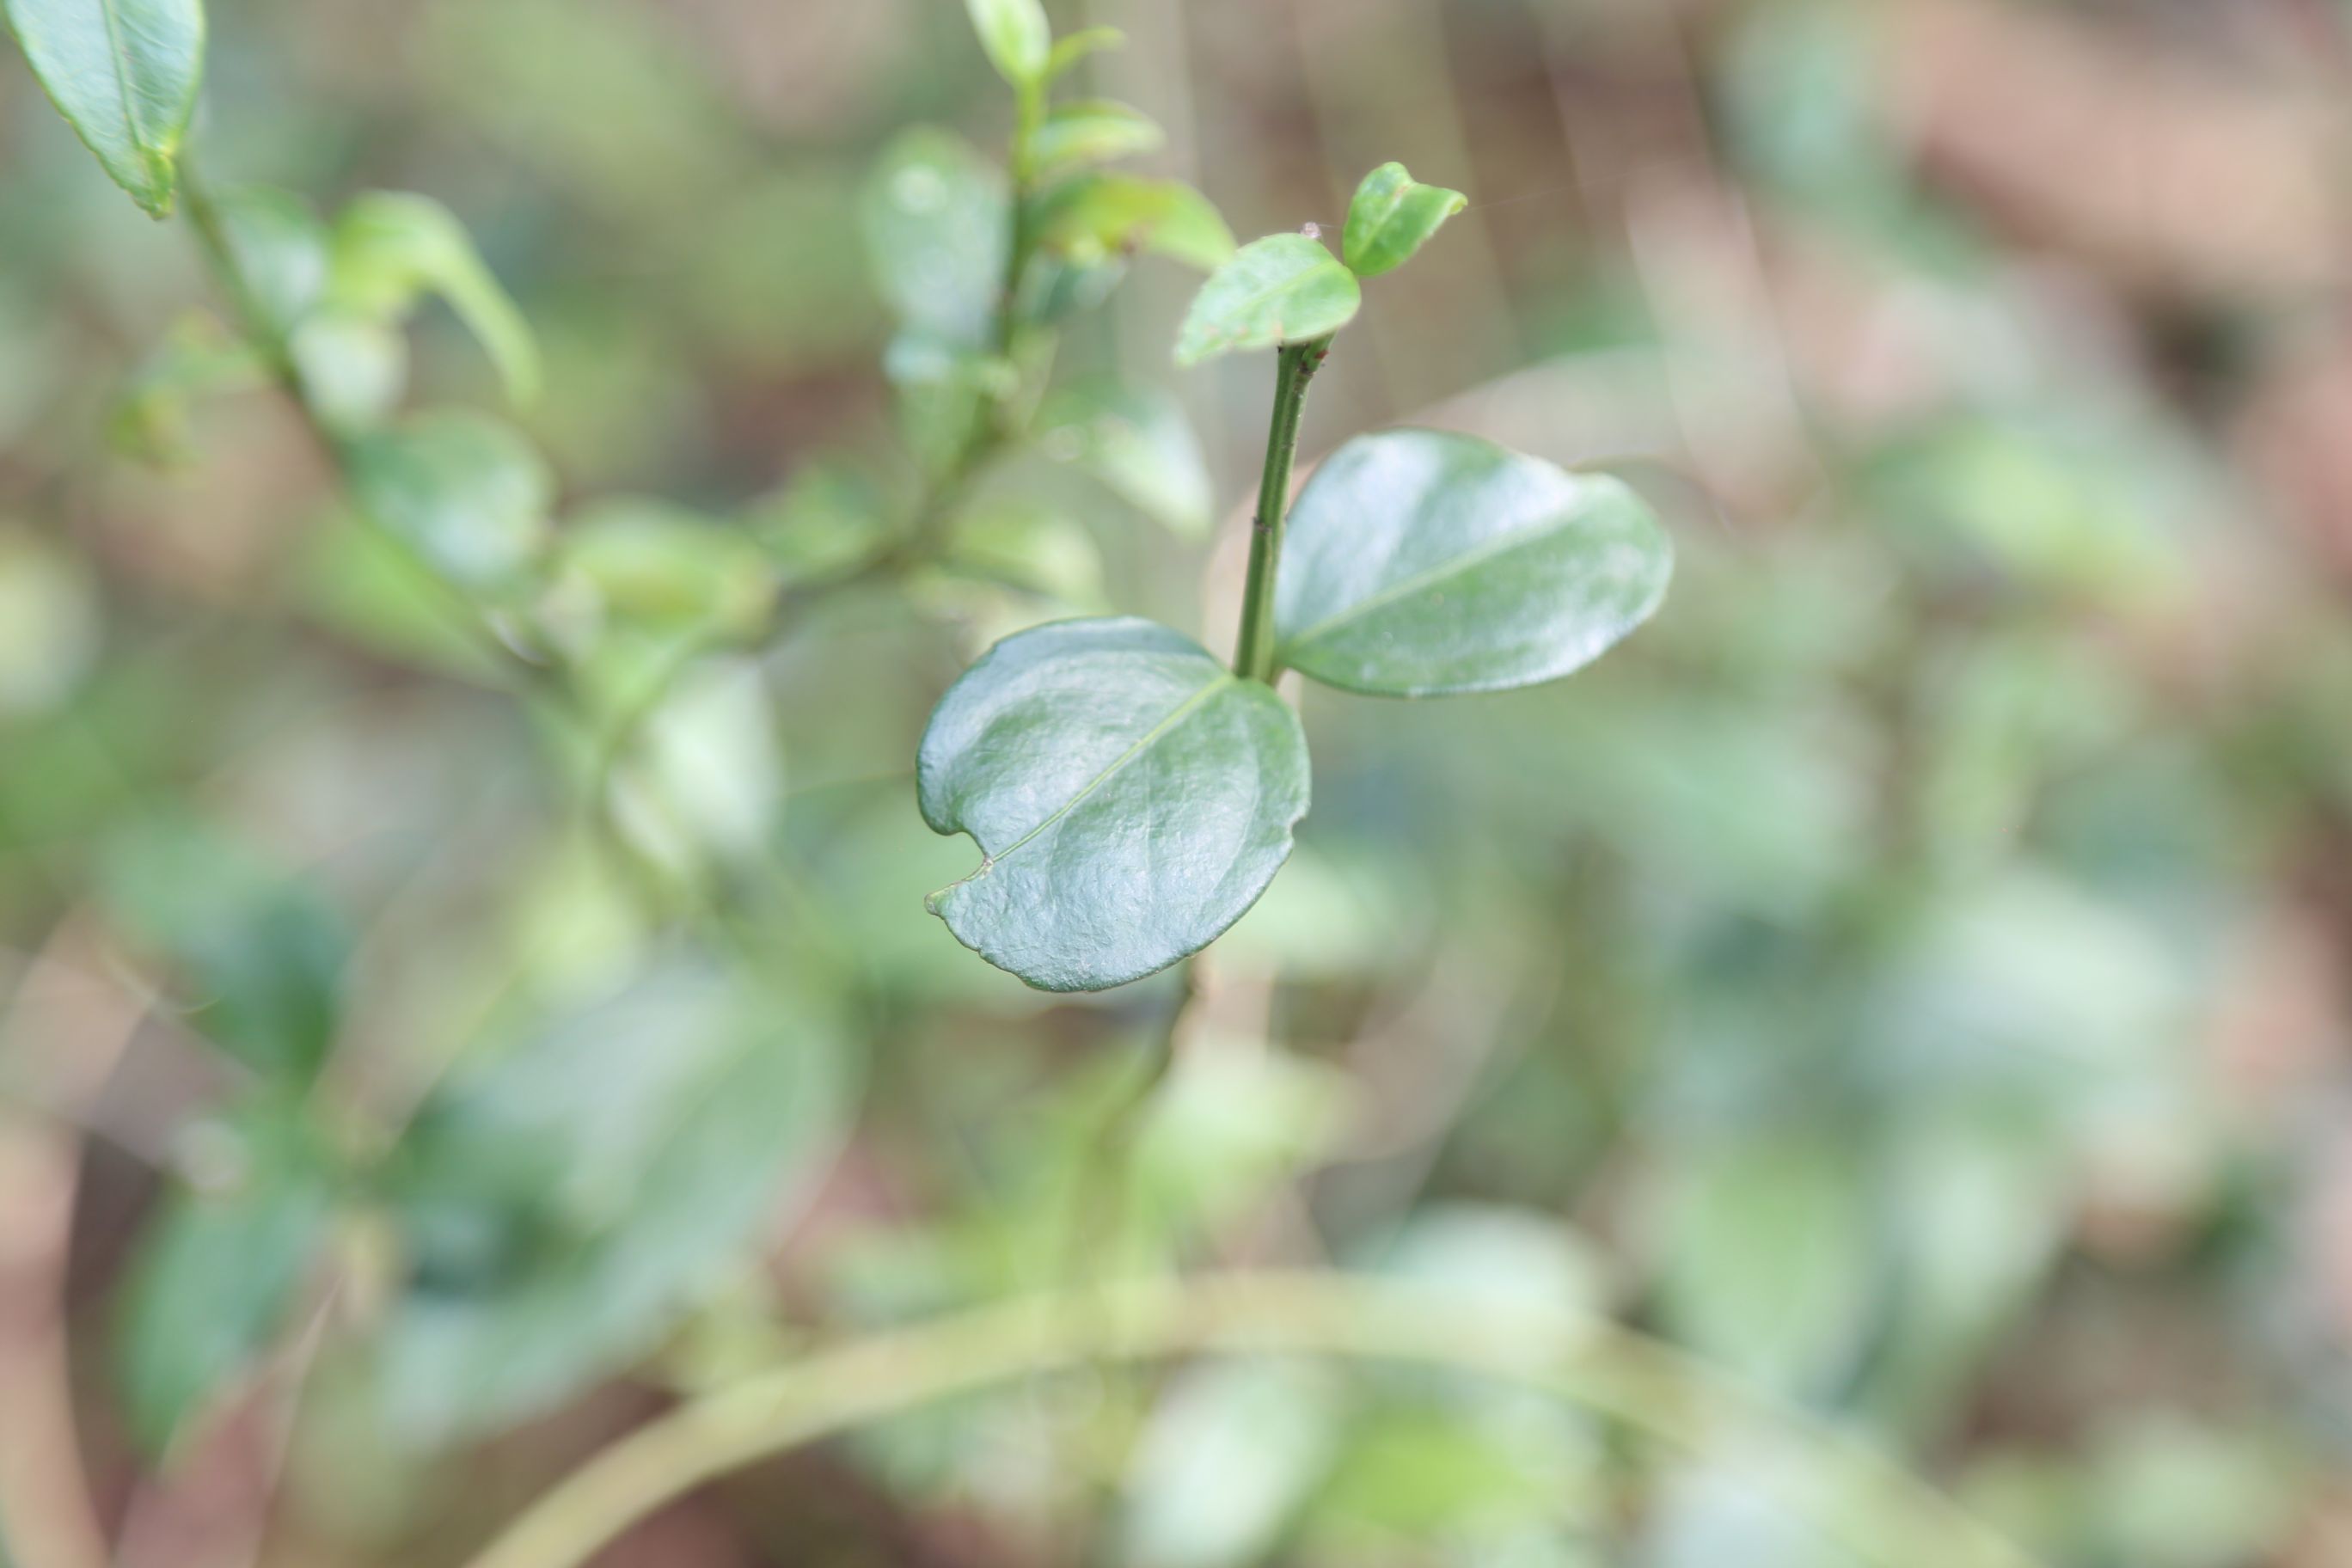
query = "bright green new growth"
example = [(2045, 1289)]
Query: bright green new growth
[(1392, 217), (1016, 37), (1284, 288), (1131, 797), (124, 75)]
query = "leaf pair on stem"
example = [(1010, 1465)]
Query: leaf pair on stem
[(1131, 795)]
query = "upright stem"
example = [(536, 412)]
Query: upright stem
[(1294, 367)]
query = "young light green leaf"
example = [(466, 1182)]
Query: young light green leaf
[(463, 491), (125, 74), (1393, 216), (1131, 798), (1091, 217), (1284, 288), (1420, 563), (563, 1201), (217, 1272), (389, 248), (937, 221), (1137, 441), (1079, 135), (1018, 39), (1070, 50)]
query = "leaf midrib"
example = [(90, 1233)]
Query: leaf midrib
[(1501, 544), (140, 141), (1176, 716)]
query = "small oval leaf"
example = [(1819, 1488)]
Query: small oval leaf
[(1093, 217), (1016, 37), (1393, 216), (1284, 288), (1079, 135), (1132, 798), (1420, 563), (466, 493), (124, 75)]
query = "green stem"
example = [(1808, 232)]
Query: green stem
[(1856, 1497), (1295, 366)]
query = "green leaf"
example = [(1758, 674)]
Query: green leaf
[(463, 491), (1090, 218), (1420, 563), (1284, 288), (390, 248), (217, 1270), (1017, 38), (564, 1201), (125, 74), (662, 568), (1079, 135), (1031, 548), (937, 221), (1070, 50), (280, 249), (1393, 216), (261, 952), (1132, 798), (353, 367), (149, 420), (1137, 441)]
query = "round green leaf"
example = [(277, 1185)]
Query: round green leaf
[(466, 493), (1131, 795), (124, 75), (1393, 216), (1284, 288), (1420, 563)]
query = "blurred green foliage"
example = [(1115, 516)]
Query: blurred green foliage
[(1908, 976)]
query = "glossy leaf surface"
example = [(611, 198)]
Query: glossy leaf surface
[(1421, 563), (463, 491), (1284, 288), (1131, 797), (125, 74), (1392, 216)]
